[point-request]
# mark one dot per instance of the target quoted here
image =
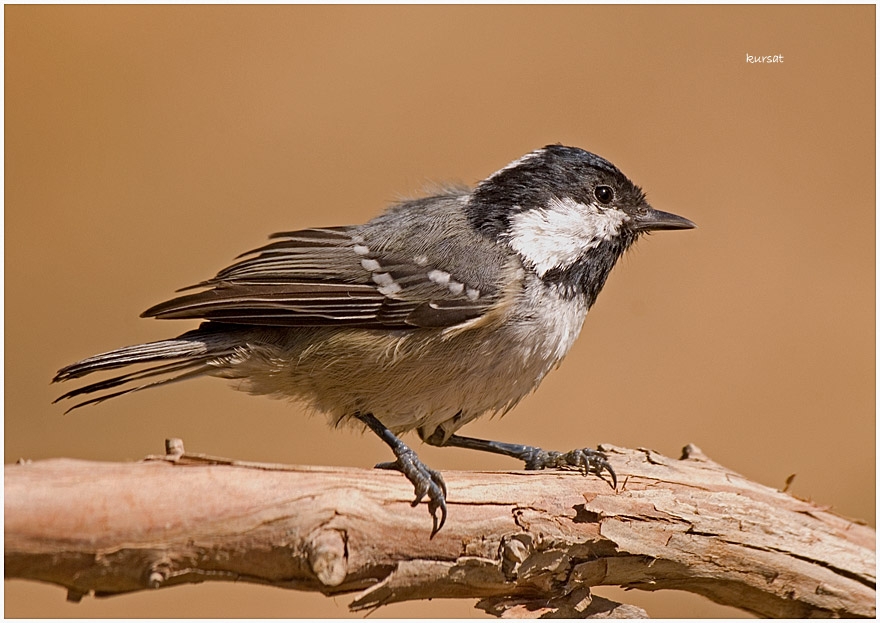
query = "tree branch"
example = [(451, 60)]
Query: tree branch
[(525, 543)]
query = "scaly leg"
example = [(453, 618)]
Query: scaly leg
[(584, 460), (425, 480)]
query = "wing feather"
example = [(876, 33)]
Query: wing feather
[(327, 276)]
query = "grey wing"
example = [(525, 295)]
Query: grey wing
[(328, 276)]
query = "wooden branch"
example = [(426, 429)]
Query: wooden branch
[(525, 543)]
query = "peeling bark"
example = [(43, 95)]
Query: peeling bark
[(526, 544)]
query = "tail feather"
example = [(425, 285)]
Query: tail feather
[(200, 369), (190, 355), (140, 353)]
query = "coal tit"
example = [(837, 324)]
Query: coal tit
[(439, 311)]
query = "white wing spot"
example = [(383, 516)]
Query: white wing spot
[(472, 293), (361, 249), (383, 279), (392, 288), (386, 283), (440, 277), (370, 265)]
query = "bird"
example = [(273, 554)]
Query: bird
[(436, 312)]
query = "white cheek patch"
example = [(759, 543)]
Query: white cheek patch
[(558, 235)]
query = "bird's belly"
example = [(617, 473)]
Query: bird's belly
[(410, 379)]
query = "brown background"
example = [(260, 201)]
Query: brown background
[(147, 146)]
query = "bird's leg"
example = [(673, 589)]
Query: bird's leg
[(425, 480), (585, 460)]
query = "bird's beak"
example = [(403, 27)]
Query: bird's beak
[(649, 219)]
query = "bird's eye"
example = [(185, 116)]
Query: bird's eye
[(603, 194)]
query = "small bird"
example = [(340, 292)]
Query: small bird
[(434, 313)]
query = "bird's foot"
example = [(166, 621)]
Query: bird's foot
[(427, 482), (585, 460)]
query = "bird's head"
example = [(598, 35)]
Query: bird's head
[(569, 214)]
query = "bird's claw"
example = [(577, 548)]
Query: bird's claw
[(427, 482), (585, 460)]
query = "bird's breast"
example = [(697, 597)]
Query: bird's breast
[(421, 378)]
